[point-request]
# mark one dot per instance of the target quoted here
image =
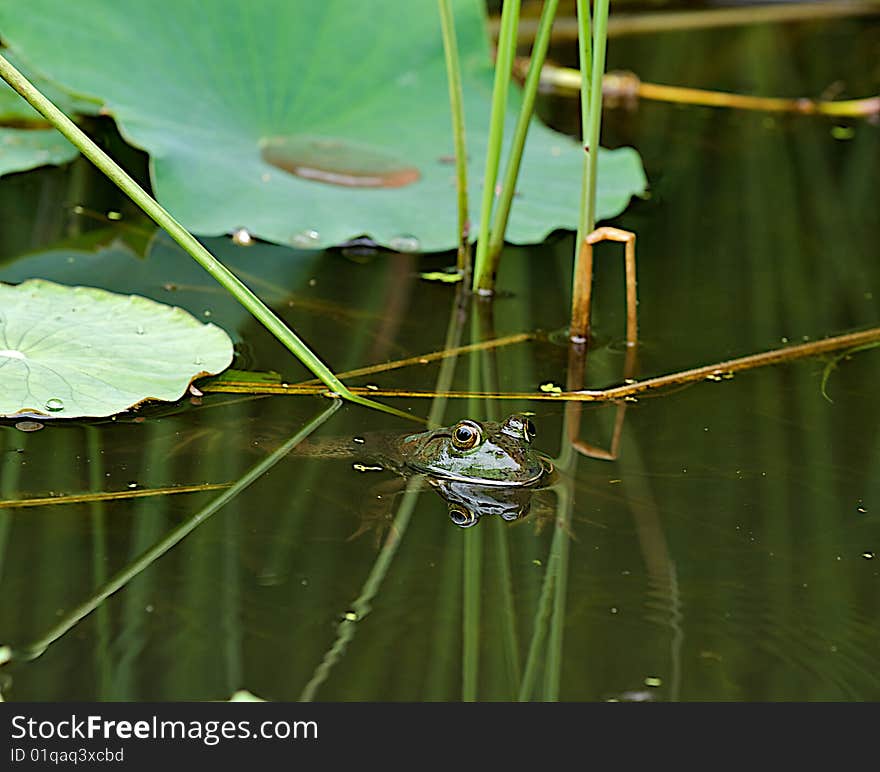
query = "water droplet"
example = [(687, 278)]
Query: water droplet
[(29, 426), (336, 161), (358, 440), (114, 215), (350, 616), (132, 484), (405, 242), (242, 237), (371, 387), (54, 405), (868, 555), (197, 360), (139, 330), (306, 239), (653, 681), (861, 508)]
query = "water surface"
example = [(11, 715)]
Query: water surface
[(729, 553)]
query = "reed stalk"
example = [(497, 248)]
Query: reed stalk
[(592, 62), (530, 91), (484, 279), (183, 237), (172, 538), (456, 106)]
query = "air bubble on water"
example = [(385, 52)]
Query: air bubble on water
[(54, 405), (132, 484), (350, 616), (198, 360), (868, 555), (405, 242), (140, 330), (307, 238)]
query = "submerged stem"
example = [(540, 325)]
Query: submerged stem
[(173, 537)]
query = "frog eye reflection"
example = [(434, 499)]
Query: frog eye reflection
[(466, 435), (530, 430), (462, 516)]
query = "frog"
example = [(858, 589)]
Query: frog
[(492, 454), (489, 453), (478, 468)]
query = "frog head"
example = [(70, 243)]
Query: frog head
[(489, 453)]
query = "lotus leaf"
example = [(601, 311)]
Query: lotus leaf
[(307, 123), (69, 352)]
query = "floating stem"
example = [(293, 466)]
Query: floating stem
[(172, 538)]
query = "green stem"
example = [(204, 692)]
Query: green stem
[(530, 91), (594, 119), (484, 279), (175, 536), (182, 236), (586, 66), (456, 105), (362, 605), (472, 572)]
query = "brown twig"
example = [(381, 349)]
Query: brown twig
[(626, 88)]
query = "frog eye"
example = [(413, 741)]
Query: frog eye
[(529, 430), (462, 516), (466, 435)]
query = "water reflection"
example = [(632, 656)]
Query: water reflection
[(739, 517)]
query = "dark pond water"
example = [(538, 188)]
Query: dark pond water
[(727, 554)]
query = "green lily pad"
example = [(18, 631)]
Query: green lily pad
[(306, 123), (26, 139), (70, 352), (23, 149)]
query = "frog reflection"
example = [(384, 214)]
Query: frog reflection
[(479, 468), (468, 502)]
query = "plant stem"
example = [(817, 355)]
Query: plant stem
[(530, 91), (651, 23), (585, 48), (456, 105), (182, 236), (594, 118), (592, 69), (484, 279), (172, 538)]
